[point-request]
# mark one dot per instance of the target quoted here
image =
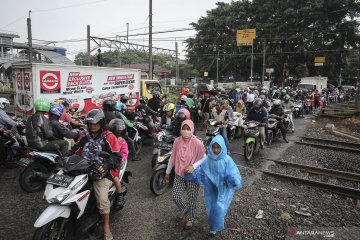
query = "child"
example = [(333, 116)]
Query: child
[(220, 177), (117, 126)]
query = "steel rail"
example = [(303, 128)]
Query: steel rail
[(329, 147), (321, 171), (346, 191), (356, 145)]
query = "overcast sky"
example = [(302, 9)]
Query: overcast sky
[(56, 20)]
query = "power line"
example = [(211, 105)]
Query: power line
[(69, 6)]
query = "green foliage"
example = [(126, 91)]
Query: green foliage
[(294, 32)]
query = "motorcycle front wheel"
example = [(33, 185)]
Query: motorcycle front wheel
[(270, 138), (138, 145), (51, 231), (154, 160), (27, 180), (157, 183), (249, 150)]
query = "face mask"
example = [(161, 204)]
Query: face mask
[(186, 133)]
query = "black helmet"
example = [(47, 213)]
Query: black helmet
[(176, 124), (124, 99), (117, 126), (190, 95), (108, 105), (95, 116), (144, 100), (257, 103)]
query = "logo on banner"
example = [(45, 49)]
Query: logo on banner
[(131, 86), (27, 81), (18, 81), (50, 82), (89, 89)]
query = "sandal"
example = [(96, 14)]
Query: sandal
[(180, 216), (188, 225), (108, 236)]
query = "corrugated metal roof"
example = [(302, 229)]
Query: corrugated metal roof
[(55, 57)]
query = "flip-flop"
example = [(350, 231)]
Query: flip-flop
[(260, 214), (178, 218)]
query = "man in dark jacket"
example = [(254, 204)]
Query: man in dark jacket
[(39, 134), (279, 111), (155, 103), (60, 130), (258, 113)]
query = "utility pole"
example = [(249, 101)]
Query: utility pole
[(177, 63), (150, 41), (127, 32), (88, 45), (217, 68), (29, 37), (252, 61), (263, 70)]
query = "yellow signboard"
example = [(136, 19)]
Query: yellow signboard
[(319, 59), (206, 74), (247, 42), (245, 37)]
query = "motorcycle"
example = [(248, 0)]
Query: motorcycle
[(297, 109), (12, 147), (162, 145), (252, 139), (37, 167), (72, 207), (273, 131), (212, 129), (158, 186), (287, 122), (133, 129), (308, 106)]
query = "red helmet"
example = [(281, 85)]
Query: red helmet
[(186, 112)]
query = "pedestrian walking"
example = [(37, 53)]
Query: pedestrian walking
[(221, 178), (188, 153)]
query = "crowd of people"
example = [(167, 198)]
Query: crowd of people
[(194, 165)]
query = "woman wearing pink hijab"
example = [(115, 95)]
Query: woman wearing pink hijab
[(187, 154)]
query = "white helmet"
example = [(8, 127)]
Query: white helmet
[(3, 102), (277, 102)]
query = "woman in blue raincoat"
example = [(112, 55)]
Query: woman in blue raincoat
[(221, 178)]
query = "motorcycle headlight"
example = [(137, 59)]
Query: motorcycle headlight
[(60, 197), (160, 135), (160, 159)]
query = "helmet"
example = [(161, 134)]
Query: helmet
[(119, 106), (190, 95), (56, 109), (185, 90), (124, 99), (257, 103), (283, 92), (117, 126), (95, 116), (286, 98), (156, 94), (277, 102), (108, 105), (262, 97), (169, 107), (186, 112), (3, 102), (42, 105), (143, 100), (263, 92), (64, 101)]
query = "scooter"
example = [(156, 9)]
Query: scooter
[(297, 109), (287, 122), (37, 168), (252, 139), (162, 145), (308, 106), (72, 208), (158, 186), (212, 129), (273, 131)]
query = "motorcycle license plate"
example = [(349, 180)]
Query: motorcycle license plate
[(60, 180)]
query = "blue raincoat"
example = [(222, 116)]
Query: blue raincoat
[(221, 178)]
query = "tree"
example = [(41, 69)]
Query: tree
[(294, 32)]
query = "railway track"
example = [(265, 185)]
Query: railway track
[(332, 174), (330, 144)]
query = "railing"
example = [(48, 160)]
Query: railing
[(14, 56)]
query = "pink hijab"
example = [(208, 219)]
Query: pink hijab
[(187, 151)]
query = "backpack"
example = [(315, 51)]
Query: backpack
[(91, 153)]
